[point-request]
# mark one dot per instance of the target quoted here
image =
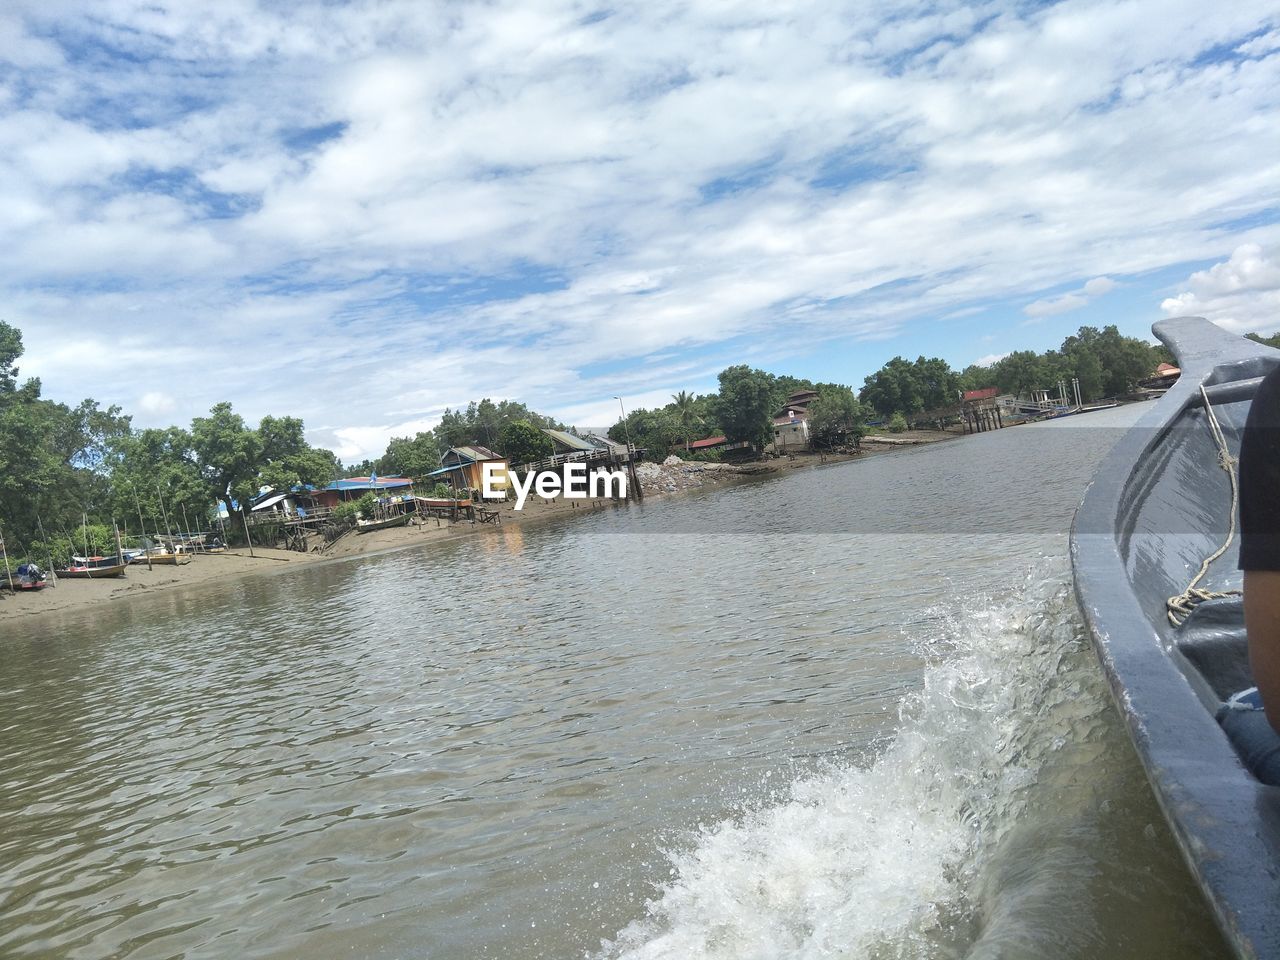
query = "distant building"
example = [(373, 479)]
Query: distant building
[(601, 442), (353, 488), (986, 393), (462, 467), (568, 443), (790, 434), (719, 445), (796, 407), (1165, 376)]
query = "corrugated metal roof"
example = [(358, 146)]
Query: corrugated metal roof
[(474, 453), (603, 441), (986, 393), (362, 483), (708, 442), (569, 440)]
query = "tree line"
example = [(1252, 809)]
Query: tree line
[(61, 463), (742, 410), (1106, 363)]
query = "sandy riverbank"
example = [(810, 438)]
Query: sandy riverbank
[(658, 480)]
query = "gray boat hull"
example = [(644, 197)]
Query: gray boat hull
[(1158, 505)]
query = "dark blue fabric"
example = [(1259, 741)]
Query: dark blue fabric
[(1251, 732)]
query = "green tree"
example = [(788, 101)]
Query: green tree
[(227, 454), (482, 423), (687, 416), (835, 417), (1124, 360), (937, 384), (1019, 372), (522, 443), (410, 456), (236, 461), (155, 478), (893, 388), (745, 405), (655, 432), (286, 459), (1271, 341), (10, 351), (53, 457)]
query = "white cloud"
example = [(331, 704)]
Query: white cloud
[(1048, 308), (1067, 302), (360, 214), (156, 403), (991, 359), (1242, 293), (1098, 286)]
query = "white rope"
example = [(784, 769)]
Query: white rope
[(1180, 607)]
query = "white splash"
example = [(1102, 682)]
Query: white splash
[(887, 861)]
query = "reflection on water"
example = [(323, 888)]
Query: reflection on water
[(739, 742)]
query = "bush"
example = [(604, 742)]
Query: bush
[(897, 423), (345, 511), (367, 505)]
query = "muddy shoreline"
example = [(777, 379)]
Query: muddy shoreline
[(659, 482)]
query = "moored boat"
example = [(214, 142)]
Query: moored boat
[(173, 559), (1160, 510), (93, 568), (27, 576), (368, 526)]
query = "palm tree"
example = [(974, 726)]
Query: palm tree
[(686, 414)]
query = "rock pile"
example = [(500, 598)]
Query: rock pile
[(674, 474)]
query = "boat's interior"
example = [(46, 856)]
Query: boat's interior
[(1176, 512)]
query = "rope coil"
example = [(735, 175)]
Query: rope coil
[(1179, 608)]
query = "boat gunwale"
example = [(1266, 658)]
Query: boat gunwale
[(1225, 822)]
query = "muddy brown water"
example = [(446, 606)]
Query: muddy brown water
[(844, 713)]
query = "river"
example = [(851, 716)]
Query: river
[(847, 712)]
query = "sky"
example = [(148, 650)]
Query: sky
[(363, 213)]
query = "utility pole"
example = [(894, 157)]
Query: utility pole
[(626, 428)]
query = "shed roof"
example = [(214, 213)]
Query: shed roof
[(444, 470), (270, 501), (569, 440), (368, 483), (600, 440), (474, 453), (707, 442)]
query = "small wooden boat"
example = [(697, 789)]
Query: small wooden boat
[(368, 526), (161, 556), (93, 568), (27, 576), (173, 559), (1158, 510)]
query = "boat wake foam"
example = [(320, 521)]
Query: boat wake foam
[(973, 832)]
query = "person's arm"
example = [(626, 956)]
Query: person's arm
[(1262, 622)]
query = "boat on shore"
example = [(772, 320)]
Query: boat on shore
[(368, 526), (1160, 508), (160, 556), (93, 568), (27, 576), (173, 559)]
